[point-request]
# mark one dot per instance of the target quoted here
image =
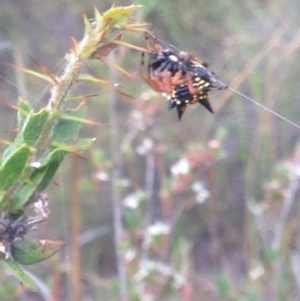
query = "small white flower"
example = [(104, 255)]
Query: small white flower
[(130, 255), (145, 147), (131, 201), (158, 228), (138, 120), (137, 115), (181, 167), (297, 170), (146, 267), (124, 183), (202, 194), (36, 164), (178, 280), (257, 209), (102, 176), (256, 272)]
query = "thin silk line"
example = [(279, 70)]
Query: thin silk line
[(265, 108)]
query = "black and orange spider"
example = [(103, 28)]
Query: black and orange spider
[(178, 75), (202, 83)]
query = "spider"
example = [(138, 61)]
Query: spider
[(178, 75), (202, 84)]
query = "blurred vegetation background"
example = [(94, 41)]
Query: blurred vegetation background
[(209, 204)]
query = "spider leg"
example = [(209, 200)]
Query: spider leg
[(180, 110), (142, 66), (151, 81), (204, 100), (148, 46), (167, 83), (191, 87), (176, 79)]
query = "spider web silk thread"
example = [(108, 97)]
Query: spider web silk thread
[(265, 108)]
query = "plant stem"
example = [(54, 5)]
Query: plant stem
[(116, 199), (76, 229)]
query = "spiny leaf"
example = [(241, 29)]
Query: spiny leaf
[(34, 251), (19, 273)]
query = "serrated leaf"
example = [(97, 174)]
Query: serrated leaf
[(15, 268), (34, 126), (68, 128), (12, 168), (29, 252)]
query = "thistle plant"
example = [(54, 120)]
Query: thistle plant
[(45, 137)]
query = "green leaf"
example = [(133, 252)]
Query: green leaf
[(84, 144), (34, 126), (68, 127), (12, 168), (117, 17), (133, 220), (19, 273), (24, 109), (2, 199), (33, 251), (98, 16), (54, 159), (24, 194), (87, 24)]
